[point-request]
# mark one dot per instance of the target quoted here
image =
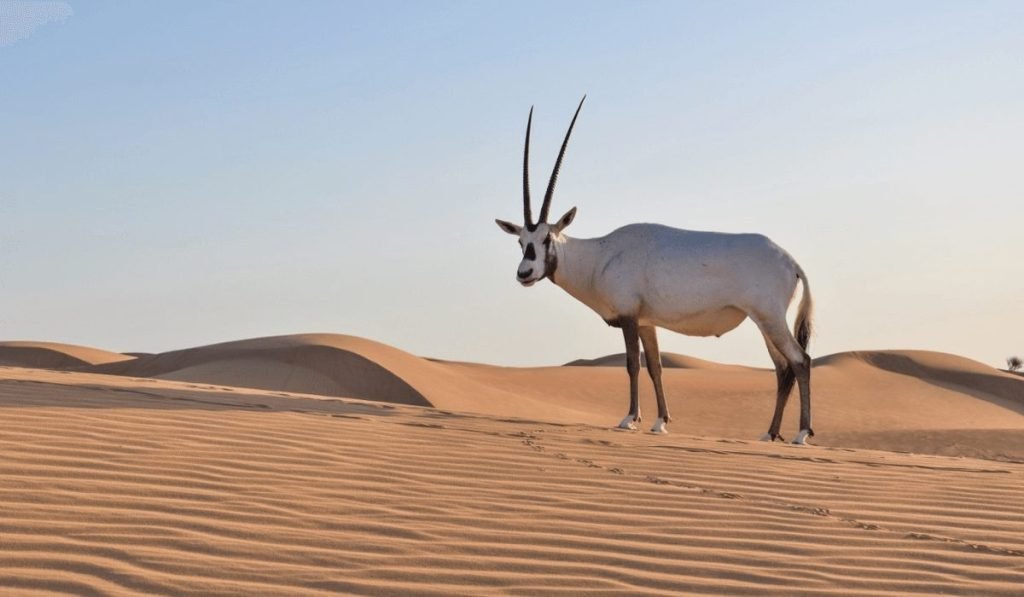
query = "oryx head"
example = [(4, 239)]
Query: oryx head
[(536, 238)]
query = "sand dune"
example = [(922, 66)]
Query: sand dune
[(53, 355), (119, 485), (938, 368), (326, 364), (912, 401)]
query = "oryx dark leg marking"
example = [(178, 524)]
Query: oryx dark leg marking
[(631, 336), (802, 371), (785, 378), (649, 336)]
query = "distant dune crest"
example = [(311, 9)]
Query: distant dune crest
[(54, 355)]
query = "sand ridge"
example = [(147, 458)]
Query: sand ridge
[(119, 485)]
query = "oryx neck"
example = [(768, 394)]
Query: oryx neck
[(575, 258)]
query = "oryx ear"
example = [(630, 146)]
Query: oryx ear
[(565, 220), (509, 227)]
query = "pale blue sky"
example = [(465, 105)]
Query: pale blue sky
[(180, 173)]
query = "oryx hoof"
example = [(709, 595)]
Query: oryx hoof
[(629, 422), (659, 426), (770, 437), (801, 438)]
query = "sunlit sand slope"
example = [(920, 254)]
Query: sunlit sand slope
[(113, 485)]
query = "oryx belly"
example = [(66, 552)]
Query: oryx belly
[(706, 323)]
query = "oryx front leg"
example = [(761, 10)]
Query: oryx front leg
[(630, 335), (649, 336)]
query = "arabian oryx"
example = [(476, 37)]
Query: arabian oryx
[(644, 276)]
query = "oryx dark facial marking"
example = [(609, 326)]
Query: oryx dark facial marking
[(550, 261)]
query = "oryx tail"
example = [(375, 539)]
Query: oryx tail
[(802, 326)]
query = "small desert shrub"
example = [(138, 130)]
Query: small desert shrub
[(1013, 364)]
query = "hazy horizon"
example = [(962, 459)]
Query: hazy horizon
[(181, 174)]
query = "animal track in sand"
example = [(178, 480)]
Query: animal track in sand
[(817, 511)]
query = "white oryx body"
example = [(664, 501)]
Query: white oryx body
[(646, 276), (694, 283)]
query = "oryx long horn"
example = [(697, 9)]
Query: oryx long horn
[(558, 164), (526, 173)]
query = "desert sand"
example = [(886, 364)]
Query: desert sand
[(326, 464)]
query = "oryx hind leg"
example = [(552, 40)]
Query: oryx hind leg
[(785, 378), (649, 336), (777, 333)]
